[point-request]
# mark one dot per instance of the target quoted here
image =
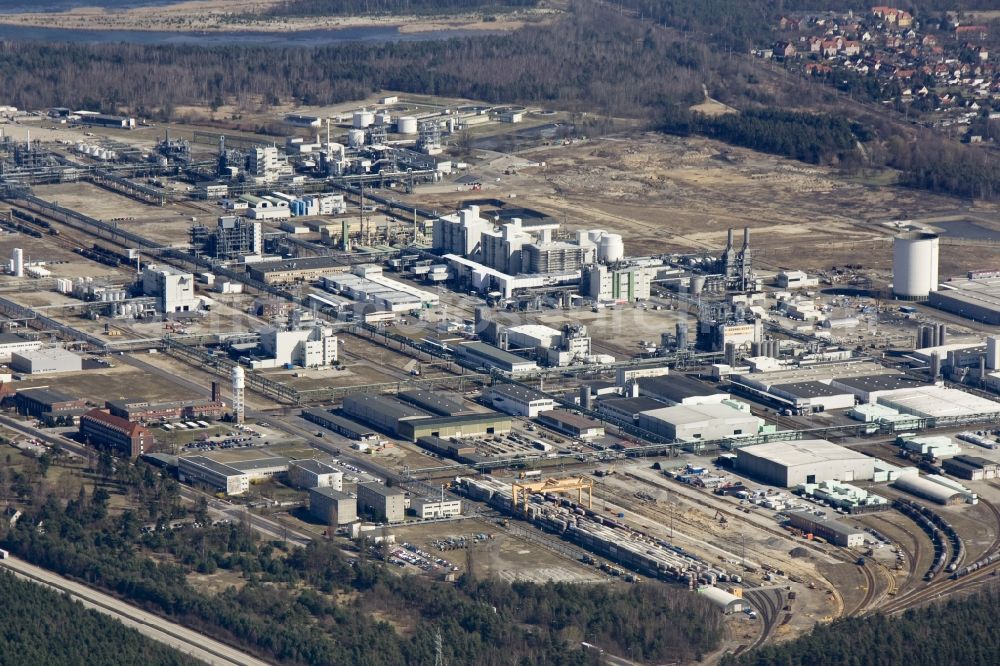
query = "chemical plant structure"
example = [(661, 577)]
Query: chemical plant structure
[(283, 320)]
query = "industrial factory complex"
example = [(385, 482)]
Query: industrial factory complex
[(370, 328)]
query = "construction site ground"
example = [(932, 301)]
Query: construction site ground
[(671, 194)]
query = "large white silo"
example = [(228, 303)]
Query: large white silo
[(406, 125), (611, 248), (17, 263), (363, 118), (914, 265)]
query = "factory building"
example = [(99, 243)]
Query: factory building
[(556, 257), (680, 390), (727, 602), (388, 504), (261, 469), (46, 360), (467, 425), (266, 207), (332, 507), (426, 508), (519, 401), (492, 357), (503, 249), (441, 403), (977, 299), (385, 413), (99, 428), (456, 450), (833, 531), (200, 469), (10, 343), (939, 402), (484, 278), (233, 238), (315, 474), (628, 409), (44, 403), (788, 464), (533, 336), (144, 411), (870, 388), (173, 288), (574, 425), (367, 284), (692, 423), (795, 280), (460, 233), (617, 284), (265, 165), (300, 269), (309, 346), (914, 265), (971, 468), (346, 427)]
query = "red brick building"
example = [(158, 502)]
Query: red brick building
[(100, 428)]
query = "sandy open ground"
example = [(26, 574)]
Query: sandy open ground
[(232, 16)]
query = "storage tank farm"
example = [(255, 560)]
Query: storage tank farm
[(914, 265)]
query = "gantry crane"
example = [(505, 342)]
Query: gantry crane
[(520, 491)]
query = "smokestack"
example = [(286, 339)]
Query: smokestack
[(993, 353), (746, 238), (585, 397), (729, 239)]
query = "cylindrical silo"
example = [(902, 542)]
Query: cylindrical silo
[(611, 248), (914, 265), (406, 125), (942, 332), (17, 262), (356, 138), (935, 365), (682, 335), (993, 352)]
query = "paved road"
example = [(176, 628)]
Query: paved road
[(190, 642)]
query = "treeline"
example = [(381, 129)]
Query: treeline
[(960, 631), (594, 60), (294, 8), (316, 606), (41, 626), (817, 138)]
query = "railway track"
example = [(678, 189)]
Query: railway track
[(768, 604)]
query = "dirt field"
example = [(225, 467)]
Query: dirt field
[(228, 16), (667, 194)]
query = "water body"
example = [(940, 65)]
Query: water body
[(22, 7), (271, 39), (968, 229)]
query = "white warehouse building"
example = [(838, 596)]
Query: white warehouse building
[(692, 423)]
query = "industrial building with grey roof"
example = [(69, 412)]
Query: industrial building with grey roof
[(787, 464)]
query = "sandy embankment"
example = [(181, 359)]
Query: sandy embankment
[(220, 16)]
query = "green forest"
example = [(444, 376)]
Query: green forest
[(958, 631), (286, 593), (41, 626)]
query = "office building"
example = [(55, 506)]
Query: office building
[(144, 411), (199, 469), (315, 474), (384, 502), (332, 507), (426, 508), (99, 428), (10, 343)]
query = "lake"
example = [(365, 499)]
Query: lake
[(272, 39)]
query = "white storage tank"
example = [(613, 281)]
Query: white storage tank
[(406, 125), (595, 235), (383, 118), (363, 119), (914, 265), (611, 248), (356, 138)]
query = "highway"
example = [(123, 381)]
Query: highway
[(190, 642)]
